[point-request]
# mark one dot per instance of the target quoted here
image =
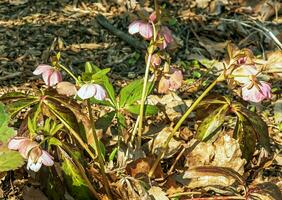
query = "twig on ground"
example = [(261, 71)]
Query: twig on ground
[(124, 36), (10, 76)]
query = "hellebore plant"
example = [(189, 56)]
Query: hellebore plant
[(242, 70), (50, 75), (160, 37)]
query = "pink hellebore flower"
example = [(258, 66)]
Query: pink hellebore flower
[(145, 29), (30, 150), (50, 75), (172, 82), (166, 34), (256, 92), (156, 60), (91, 90)]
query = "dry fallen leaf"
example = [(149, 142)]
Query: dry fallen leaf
[(217, 163), (158, 193), (156, 145)]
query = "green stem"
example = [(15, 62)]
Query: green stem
[(69, 72), (182, 119), (98, 151), (143, 98)]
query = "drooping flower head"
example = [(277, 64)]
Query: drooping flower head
[(171, 81), (31, 151), (256, 92), (50, 75), (91, 90)]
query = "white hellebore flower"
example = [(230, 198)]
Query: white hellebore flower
[(91, 90)]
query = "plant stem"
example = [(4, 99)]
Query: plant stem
[(143, 98), (182, 119), (69, 72), (98, 151)]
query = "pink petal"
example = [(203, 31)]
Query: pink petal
[(87, 91), (46, 76), (156, 60), (47, 159), (15, 143), (134, 27), (26, 147), (41, 69), (175, 80), (100, 92), (255, 95), (55, 78), (153, 16), (163, 86), (166, 32), (146, 30), (242, 73)]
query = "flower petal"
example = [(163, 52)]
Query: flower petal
[(34, 166), (146, 30), (55, 78), (242, 73), (254, 94), (175, 80), (134, 27), (26, 147), (41, 69), (163, 86), (46, 76), (15, 143), (87, 91), (46, 158), (100, 92)]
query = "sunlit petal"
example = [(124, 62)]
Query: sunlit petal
[(55, 78), (87, 91), (100, 92), (46, 158), (41, 69), (146, 30), (134, 27)]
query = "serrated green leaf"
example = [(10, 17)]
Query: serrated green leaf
[(54, 141), (121, 120), (5, 132), (16, 106), (10, 160), (148, 109), (12, 96), (212, 123)]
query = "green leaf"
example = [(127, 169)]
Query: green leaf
[(148, 109), (31, 128), (110, 91), (10, 160), (132, 92), (54, 141), (12, 96), (121, 120), (212, 123), (105, 121), (75, 183), (113, 154), (100, 74), (5, 132), (17, 106), (245, 135), (102, 148), (259, 126)]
